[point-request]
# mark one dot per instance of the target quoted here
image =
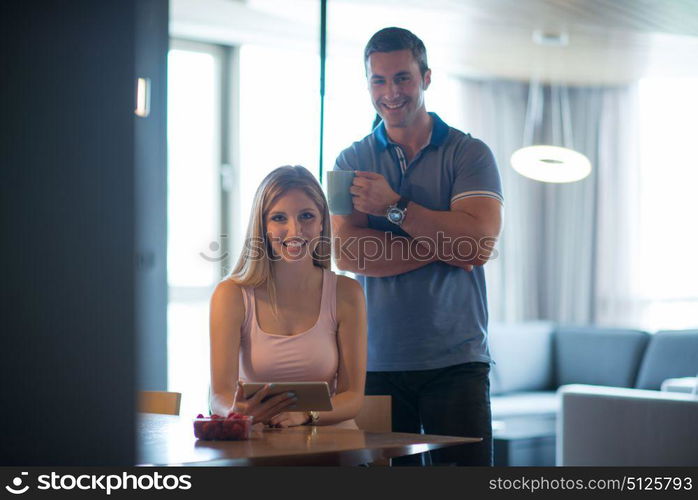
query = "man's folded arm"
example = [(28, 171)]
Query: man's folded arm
[(370, 252), (467, 233)]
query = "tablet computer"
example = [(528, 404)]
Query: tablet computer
[(312, 396)]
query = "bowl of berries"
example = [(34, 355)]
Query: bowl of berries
[(234, 427)]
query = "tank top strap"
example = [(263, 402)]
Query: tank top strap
[(329, 295), (248, 301)]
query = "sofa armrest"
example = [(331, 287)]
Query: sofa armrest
[(610, 426)]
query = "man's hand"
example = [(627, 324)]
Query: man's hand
[(372, 193), (455, 263)]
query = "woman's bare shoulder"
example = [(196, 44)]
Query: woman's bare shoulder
[(229, 287), (228, 293), (349, 292)]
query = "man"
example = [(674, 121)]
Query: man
[(427, 211)]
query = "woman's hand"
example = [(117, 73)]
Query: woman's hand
[(289, 419), (262, 411)]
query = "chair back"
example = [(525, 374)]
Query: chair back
[(375, 414), (159, 402)]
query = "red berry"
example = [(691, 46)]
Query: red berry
[(199, 416), (220, 431), (238, 430), (208, 431), (228, 429)]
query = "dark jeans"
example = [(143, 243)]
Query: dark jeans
[(451, 401)]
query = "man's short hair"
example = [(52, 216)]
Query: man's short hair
[(392, 39)]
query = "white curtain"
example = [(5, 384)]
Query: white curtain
[(561, 244), (617, 242)]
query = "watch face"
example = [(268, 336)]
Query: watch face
[(395, 216)]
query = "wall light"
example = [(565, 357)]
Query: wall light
[(143, 97)]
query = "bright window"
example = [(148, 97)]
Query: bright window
[(193, 215), (279, 117), (668, 269)]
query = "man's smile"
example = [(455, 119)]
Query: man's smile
[(393, 106)]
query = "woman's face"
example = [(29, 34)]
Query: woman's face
[(293, 225)]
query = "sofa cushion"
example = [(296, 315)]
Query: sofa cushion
[(670, 354), (536, 403), (598, 356), (522, 354)]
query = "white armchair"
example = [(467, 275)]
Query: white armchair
[(611, 426)]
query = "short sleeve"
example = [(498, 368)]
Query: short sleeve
[(476, 173), (346, 160)]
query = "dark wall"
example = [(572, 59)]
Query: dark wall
[(68, 212), (152, 41)]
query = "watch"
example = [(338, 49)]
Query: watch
[(313, 417), (396, 213)]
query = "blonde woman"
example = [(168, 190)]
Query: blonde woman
[(283, 315)]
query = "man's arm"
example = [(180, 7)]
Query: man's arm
[(468, 231), (371, 252), (463, 235)]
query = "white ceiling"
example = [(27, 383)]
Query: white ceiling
[(610, 41)]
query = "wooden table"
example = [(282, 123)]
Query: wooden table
[(169, 440)]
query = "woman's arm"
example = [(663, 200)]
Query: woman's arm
[(351, 374), (227, 315), (351, 336)]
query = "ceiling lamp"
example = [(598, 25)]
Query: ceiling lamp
[(551, 164), (557, 162)]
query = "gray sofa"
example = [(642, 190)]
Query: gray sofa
[(613, 426), (533, 360)]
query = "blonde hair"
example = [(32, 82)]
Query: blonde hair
[(254, 268)]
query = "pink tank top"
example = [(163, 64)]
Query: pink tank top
[(308, 356)]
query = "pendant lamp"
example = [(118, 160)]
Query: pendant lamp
[(557, 162)]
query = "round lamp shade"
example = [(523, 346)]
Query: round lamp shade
[(550, 164)]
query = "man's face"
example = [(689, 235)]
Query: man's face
[(396, 87)]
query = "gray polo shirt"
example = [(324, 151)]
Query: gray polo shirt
[(434, 316)]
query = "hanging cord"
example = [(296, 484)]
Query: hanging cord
[(561, 116), (556, 113), (567, 119), (533, 109)]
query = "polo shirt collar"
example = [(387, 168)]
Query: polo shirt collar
[(439, 132)]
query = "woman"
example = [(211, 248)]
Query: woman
[(282, 315)]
